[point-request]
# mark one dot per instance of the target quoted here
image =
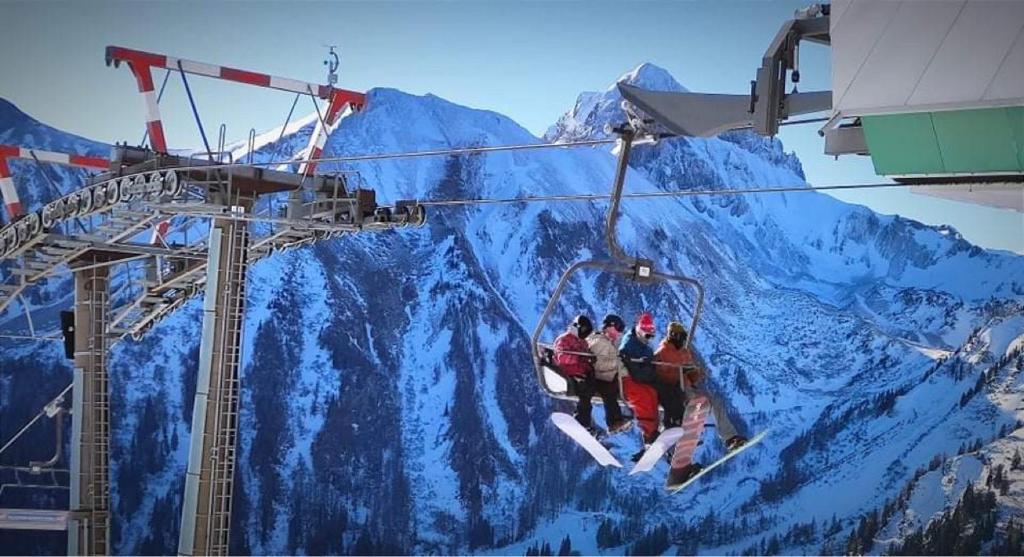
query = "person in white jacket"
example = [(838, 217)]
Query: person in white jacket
[(607, 367)]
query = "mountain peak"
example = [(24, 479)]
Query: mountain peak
[(652, 77), (21, 129), (593, 110), (11, 115)]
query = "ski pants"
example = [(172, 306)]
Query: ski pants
[(723, 425), (643, 399), (586, 388), (672, 400)]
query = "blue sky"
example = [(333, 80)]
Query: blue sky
[(527, 60)]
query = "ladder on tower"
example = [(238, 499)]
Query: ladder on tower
[(89, 533), (226, 394), (99, 514)]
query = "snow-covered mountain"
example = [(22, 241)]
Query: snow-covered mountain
[(389, 404)]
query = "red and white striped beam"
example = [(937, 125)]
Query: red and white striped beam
[(159, 236), (142, 63), (10, 193), (318, 140)]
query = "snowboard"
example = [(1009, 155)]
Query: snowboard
[(657, 450), (753, 441), (584, 439), (694, 417)]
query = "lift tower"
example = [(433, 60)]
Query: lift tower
[(102, 226)]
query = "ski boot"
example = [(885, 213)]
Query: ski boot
[(597, 432), (735, 442), (619, 426), (679, 476), (645, 444)]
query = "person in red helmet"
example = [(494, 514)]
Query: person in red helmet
[(638, 356), (576, 363)]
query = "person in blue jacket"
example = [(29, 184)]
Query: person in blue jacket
[(638, 356)]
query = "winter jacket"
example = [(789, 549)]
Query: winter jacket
[(668, 353), (572, 365), (608, 364), (632, 348)]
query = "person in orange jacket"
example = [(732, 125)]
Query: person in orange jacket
[(672, 351), (667, 360)]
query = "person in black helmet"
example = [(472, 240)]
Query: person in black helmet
[(576, 364), (607, 369)]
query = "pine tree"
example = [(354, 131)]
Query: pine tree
[(608, 535), (565, 548)]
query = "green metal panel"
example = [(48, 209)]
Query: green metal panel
[(903, 144), (976, 141), (979, 141), (1015, 119)]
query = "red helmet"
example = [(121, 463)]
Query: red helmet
[(646, 323)]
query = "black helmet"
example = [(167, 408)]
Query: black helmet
[(583, 326), (612, 320), (677, 334)]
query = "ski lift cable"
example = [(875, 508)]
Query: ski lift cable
[(489, 149), (31, 470), (30, 337), (586, 198), (445, 152), (41, 413), (655, 194), (401, 155)]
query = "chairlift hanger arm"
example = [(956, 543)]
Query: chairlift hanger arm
[(626, 135), (767, 104)]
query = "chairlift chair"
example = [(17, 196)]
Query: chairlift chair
[(639, 270)]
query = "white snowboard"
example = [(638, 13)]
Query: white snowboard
[(657, 450), (728, 456), (583, 438)]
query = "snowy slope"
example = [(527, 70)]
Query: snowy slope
[(388, 399)]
